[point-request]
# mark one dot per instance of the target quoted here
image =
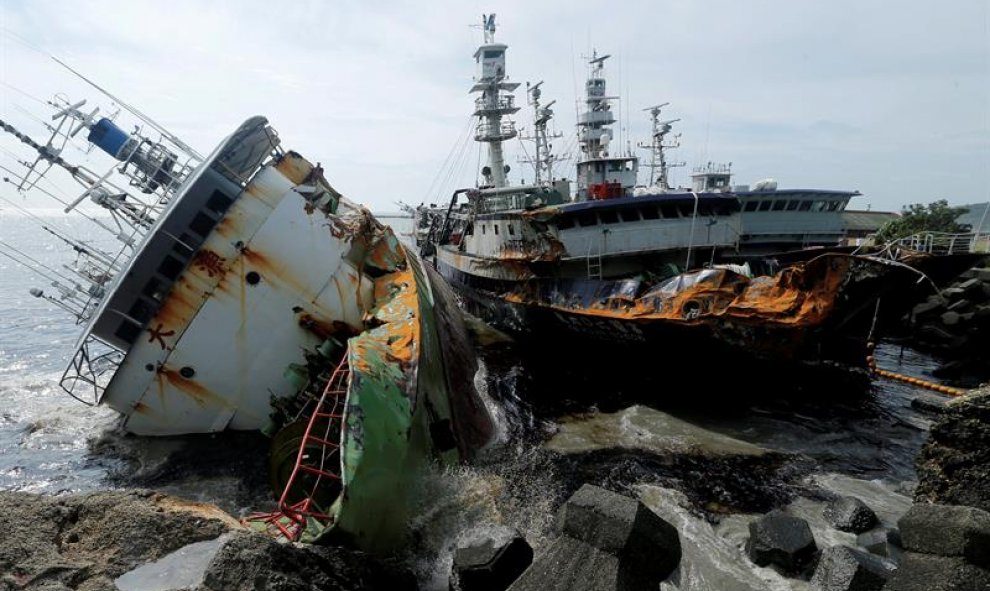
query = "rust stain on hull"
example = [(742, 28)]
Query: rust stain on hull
[(199, 393)]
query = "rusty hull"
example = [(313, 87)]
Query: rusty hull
[(779, 318)]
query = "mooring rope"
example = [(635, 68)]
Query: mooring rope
[(871, 362)]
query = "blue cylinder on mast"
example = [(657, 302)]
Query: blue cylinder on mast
[(106, 136)]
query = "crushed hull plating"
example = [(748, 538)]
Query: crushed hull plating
[(818, 311)]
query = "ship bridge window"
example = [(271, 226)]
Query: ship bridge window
[(805, 206), (819, 205), (496, 228), (128, 331), (705, 210), (565, 222), (587, 219), (650, 213), (751, 205), (202, 224), (170, 267), (765, 205), (833, 205), (792, 204), (629, 215), (686, 209), (779, 205), (484, 228), (668, 210), (492, 54), (609, 216), (218, 202), (512, 228)]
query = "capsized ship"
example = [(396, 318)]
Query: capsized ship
[(249, 294), (602, 273)]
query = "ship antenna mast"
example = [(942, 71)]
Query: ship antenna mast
[(542, 114), (657, 146), (495, 102)]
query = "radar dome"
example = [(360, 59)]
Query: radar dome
[(765, 185)]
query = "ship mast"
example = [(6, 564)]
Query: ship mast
[(544, 158), (601, 175), (657, 145), (594, 135), (495, 102)]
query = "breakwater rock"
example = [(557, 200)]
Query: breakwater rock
[(955, 324), (954, 464), (140, 539)]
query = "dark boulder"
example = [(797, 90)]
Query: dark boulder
[(882, 541), (606, 541), (781, 540), (948, 530), (87, 541), (252, 561), (923, 572), (954, 464), (845, 569), (850, 514), (490, 564)]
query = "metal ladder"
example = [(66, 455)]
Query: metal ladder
[(594, 261), (319, 457)]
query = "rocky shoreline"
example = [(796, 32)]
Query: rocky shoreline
[(124, 540), (955, 325), (602, 539)]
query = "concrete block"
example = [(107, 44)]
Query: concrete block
[(781, 540), (948, 530), (490, 564), (846, 569), (923, 572), (850, 514), (606, 541)]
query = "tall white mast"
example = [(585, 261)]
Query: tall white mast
[(657, 145), (594, 135), (495, 102), (544, 158)]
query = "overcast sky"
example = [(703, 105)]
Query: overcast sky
[(890, 98)]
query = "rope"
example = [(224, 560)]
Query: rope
[(871, 363)]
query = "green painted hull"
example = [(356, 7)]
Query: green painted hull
[(411, 401)]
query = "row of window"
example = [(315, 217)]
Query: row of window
[(495, 225), (147, 303), (794, 205), (635, 214)]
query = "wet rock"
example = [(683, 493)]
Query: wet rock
[(948, 530), (926, 307), (850, 514), (923, 572), (954, 464), (929, 403), (845, 569), (251, 561), (950, 318), (86, 541), (881, 541), (490, 564), (781, 540), (606, 541)]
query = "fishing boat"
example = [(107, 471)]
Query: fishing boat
[(247, 294), (617, 271)]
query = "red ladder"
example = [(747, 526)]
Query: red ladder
[(322, 436)]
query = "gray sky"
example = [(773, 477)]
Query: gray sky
[(891, 98)]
